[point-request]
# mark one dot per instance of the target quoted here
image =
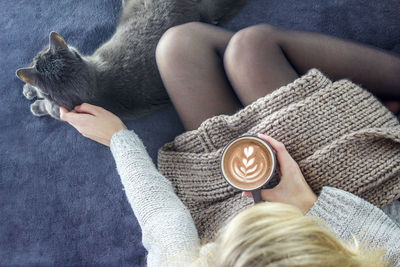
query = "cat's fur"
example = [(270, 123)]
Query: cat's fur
[(122, 74)]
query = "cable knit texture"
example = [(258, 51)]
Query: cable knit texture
[(168, 231), (338, 133)]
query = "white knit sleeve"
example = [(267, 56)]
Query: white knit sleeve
[(168, 230), (348, 215)]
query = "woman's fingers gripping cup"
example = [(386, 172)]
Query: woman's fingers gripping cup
[(292, 188)]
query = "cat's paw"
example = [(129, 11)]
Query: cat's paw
[(44, 107), (38, 108), (29, 91), (54, 111)]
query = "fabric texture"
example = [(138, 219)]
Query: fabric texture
[(168, 230), (169, 233), (350, 216), (61, 197), (338, 133), (393, 211)]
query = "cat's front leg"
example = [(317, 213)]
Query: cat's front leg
[(40, 95), (29, 91), (38, 108), (45, 107), (54, 111)]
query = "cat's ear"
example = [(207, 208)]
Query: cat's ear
[(57, 42), (28, 75)]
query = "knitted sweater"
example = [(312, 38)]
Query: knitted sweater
[(168, 230), (339, 134)]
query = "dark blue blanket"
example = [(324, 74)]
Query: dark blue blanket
[(61, 199)]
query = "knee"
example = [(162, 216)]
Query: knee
[(245, 45), (175, 42)]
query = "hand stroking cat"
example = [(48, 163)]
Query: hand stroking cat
[(121, 75)]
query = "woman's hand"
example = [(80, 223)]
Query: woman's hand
[(292, 188), (93, 122)]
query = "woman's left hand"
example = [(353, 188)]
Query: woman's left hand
[(293, 188), (93, 122)]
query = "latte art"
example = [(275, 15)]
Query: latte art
[(247, 163), (245, 168)]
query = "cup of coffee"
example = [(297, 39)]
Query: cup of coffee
[(248, 163)]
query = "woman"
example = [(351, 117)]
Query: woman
[(240, 68)]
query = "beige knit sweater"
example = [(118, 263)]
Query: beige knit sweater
[(338, 133)]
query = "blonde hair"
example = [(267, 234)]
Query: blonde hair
[(276, 234)]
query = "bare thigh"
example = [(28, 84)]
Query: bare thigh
[(189, 58), (209, 71), (262, 58)]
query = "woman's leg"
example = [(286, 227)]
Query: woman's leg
[(262, 58), (258, 60), (189, 58)]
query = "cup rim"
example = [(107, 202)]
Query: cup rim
[(269, 147)]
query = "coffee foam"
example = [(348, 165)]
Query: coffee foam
[(247, 164)]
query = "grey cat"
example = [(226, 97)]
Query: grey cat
[(121, 75)]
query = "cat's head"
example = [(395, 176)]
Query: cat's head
[(59, 72)]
